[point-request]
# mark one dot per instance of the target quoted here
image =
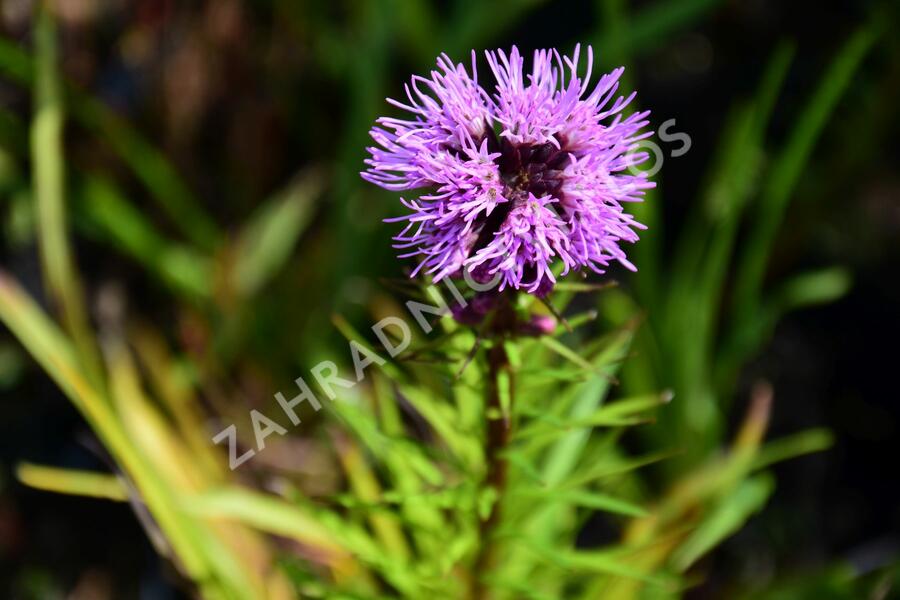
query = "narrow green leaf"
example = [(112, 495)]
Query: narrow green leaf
[(49, 185), (798, 444), (584, 498), (731, 513), (566, 352), (593, 561), (788, 166), (266, 513), (816, 287), (653, 24), (148, 163), (444, 420), (265, 244), (203, 556), (110, 215), (70, 481), (620, 466)]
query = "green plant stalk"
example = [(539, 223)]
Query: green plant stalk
[(49, 183), (498, 436)]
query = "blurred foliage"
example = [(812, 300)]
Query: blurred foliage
[(387, 492)]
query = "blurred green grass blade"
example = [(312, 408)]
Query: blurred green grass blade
[(15, 62), (525, 467), (706, 244), (520, 589), (444, 420), (170, 383), (505, 391), (567, 353), (152, 168), (364, 82), (267, 514), (612, 468), (594, 561), (352, 335), (11, 180), (737, 178), (323, 531), (724, 206), (110, 215), (12, 365), (416, 22), (791, 446), (70, 481), (147, 163), (414, 459), (536, 376), (651, 26), (702, 260), (614, 27), (838, 581), (13, 133), (423, 515), (815, 287), (198, 552), (636, 405), (49, 346), (563, 457), (627, 411), (55, 352), (788, 167), (266, 242), (365, 486), (585, 499), (438, 497), (751, 320), (725, 519), (60, 276), (807, 289), (20, 228)]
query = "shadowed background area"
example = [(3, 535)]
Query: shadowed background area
[(213, 151)]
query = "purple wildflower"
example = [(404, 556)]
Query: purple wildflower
[(512, 180)]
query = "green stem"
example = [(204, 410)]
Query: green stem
[(499, 432)]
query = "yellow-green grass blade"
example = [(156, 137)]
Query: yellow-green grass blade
[(48, 183), (70, 481), (200, 556)]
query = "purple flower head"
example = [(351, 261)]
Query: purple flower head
[(509, 181)]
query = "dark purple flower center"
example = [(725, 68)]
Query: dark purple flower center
[(524, 169)]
